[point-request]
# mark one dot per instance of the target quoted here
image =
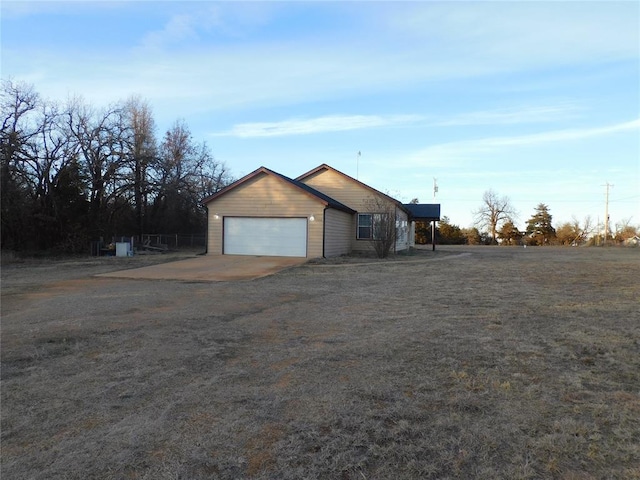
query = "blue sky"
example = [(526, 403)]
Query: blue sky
[(538, 101)]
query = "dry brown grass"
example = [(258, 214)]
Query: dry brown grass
[(503, 363)]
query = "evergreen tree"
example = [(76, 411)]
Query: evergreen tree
[(539, 228), (472, 235), (71, 207), (509, 234), (450, 234)]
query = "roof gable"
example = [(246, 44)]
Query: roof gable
[(306, 189), (325, 167)]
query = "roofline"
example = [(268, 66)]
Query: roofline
[(421, 217), (378, 192), (233, 185), (277, 175)]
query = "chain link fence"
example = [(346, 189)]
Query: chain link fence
[(174, 240)]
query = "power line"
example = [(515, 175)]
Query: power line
[(624, 198)]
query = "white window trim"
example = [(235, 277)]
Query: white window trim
[(370, 226)]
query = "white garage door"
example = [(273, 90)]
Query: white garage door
[(281, 237)]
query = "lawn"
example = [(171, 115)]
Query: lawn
[(470, 362)]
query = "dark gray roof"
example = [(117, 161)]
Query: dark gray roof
[(426, 211)]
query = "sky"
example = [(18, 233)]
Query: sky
[(537, 101)]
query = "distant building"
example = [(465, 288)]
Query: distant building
[(633, 241)]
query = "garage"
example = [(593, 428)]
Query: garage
[(268, 236)]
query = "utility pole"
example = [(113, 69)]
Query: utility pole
[(433, 224), (606, 211)]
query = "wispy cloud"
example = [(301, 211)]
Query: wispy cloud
[(331, 123), (178, 28), (516, 34), (558, 135), (205, 21), (510, 116), (337, 123), (426, 42), (446, 153)]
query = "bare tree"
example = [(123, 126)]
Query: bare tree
[(582, 230), (184, 174), (73, 173), (42, 188), (624, 230), (46, 156), (18, 102), (100, 136), (493, 211), (141, 154), (384, 225), (574, 233)]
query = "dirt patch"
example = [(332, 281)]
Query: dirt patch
[(499, 363)]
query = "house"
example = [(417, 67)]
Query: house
[(322, 213), (632, 241)]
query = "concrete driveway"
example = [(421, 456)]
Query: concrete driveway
[(211, 268)]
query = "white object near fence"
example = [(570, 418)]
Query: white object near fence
[(123, 249)]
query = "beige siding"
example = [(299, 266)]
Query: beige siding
[(340, 188), (339, 227), (348, 192), (265, 196)]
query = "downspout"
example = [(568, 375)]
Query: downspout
[(395, 229), (206, 238), (395, 237), (324, 229)]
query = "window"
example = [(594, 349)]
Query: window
[(402, 231), (365, 226), (369, 225)]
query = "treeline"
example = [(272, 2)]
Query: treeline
[(72, 173), (539, 231), (448, 233)]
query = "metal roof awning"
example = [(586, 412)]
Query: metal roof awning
[(424, 211)]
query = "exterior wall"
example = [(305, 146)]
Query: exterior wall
[(265, 196), (359, 245), (340, 188), (403, 237), (338, 229), (412, 234), (351, 194)]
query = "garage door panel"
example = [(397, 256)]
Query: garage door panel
[(285, 237)]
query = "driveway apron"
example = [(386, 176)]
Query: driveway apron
[(211, 268)]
